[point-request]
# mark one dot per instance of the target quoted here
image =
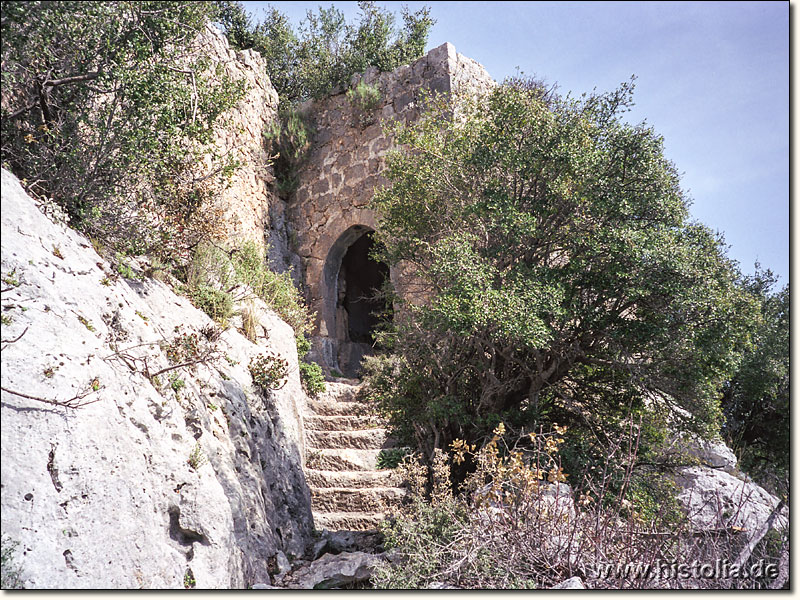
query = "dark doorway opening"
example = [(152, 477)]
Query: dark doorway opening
[(360, 308)]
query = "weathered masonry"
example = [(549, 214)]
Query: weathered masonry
[(330, 212)]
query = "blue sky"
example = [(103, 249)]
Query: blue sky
[(712, 78)]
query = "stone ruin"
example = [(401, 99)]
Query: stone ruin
[(330, 210), (322, 233)]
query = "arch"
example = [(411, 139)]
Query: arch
[(349, 316)]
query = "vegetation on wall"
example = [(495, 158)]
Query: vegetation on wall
[(217, 277), (326, 51), (107, 109), (564, 279)]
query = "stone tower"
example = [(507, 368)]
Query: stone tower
[(330, 212)]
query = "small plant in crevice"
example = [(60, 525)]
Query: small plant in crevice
[(364, 99), (269, 371), (311, 375), (197, 458), (288, 142), (177, 384), (124, 269), (390, 458), (11, 278), (86, 323), (189, 581)]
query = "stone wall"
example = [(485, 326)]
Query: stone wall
[(330, 210), (252, 211)]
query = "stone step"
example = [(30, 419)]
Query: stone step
[(352, 479), (351, 521), (362, 439), (342, 460), (328, 407), (341, 392), (342, 422), (364, 500)]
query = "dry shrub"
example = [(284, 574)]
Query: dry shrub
[(514, 523), (249, 322)]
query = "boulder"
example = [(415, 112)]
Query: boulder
[(336, 571), (573, 583), (714, 498)]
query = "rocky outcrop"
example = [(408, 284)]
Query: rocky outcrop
[(190, 477)]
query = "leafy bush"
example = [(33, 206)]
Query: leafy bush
[(277, 290), (310, 373), (364, 99), (559, 272), (215, 274), (312, 378), (215, 303), (288, 140), (108, 108), (326, 51), (183, 347), (269, 371)]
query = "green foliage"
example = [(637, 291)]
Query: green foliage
[(560, 273), (269, 371), (197, 458), (288, 140), (390, 458), (326, 51), (311, 375), (303, 346), (214, 273), (364, 99), (110, 107), (312, 378), (176, 383), (183, 347), (756, 399), (215, 303), (277, 290), (10, 575)]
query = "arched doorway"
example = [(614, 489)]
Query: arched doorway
[(355, 280)]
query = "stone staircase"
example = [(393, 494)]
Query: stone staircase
[(343, 441)]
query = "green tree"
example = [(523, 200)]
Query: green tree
[(756, 399), (326, 50), (559, 273), (108, 107)]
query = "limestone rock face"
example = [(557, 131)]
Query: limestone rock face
[(715, 494), (336, 571), (191, 477), (715, 498)]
